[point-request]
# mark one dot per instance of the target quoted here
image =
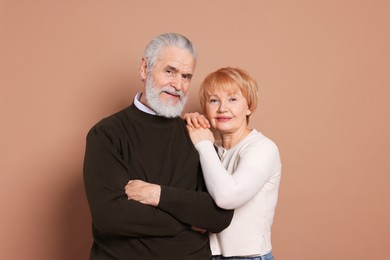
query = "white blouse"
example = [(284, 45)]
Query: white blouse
[(246, 178)]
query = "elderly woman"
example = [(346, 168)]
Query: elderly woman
[(245, 172)]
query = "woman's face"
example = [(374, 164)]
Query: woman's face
[(227, 110)]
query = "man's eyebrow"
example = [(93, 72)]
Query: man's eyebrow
[(175, 70), (172, 68)]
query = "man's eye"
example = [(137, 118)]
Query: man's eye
[(187, 77)]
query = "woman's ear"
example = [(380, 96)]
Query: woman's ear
[(143, 68), (248, 112)]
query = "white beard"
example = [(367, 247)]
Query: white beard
[(165, 109)]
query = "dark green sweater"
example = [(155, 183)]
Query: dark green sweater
[(132, 144)]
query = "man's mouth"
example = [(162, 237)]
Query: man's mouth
[(175, 95)]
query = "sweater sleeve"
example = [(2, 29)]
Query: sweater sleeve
[(105, 176), (258, 163), (195, 208)]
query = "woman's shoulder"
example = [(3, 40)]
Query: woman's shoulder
[(258, 139)]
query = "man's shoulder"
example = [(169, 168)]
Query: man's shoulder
[(114, 120)]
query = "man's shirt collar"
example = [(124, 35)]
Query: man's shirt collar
[(141, 106)]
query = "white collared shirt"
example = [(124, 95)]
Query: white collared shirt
[(141, 106)]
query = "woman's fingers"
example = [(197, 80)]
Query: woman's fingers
[(196, 120)]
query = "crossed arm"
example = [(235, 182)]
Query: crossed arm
[(148, 193), (106, 175)]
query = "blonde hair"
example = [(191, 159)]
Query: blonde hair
[(230, 79)]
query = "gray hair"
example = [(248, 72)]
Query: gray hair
[(155, 46)]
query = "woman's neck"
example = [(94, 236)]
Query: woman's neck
[(231, 139)]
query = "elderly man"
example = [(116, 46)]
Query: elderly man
[(149, 141)]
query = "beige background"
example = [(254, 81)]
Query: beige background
[(323, 67)]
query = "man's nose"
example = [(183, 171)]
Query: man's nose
[(177, 82)]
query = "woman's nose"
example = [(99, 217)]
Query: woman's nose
[(222, 106)]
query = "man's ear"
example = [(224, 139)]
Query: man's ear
[(143, 69)]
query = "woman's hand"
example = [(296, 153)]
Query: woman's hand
[(143, 192), (196, 120), (200, 134)]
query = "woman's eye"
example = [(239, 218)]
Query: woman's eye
[(233, 99), (213, 100)]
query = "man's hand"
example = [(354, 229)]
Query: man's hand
[(143, 192)]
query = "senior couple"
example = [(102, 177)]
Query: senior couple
[(159, 186)]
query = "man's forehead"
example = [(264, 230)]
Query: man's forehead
[(177, 58)]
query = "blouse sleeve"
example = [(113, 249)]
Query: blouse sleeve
[(258, 163)]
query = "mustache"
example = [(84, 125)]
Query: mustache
[(172, 91)]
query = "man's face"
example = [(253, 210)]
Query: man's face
[(167, 84)]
